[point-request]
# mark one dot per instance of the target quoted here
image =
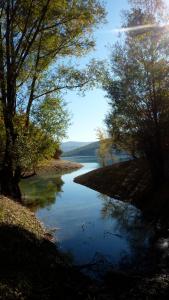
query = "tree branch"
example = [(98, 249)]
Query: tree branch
[(61, 88), (24, 30), (31, 97), (26, 51)]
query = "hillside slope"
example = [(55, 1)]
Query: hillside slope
[(88, 150), (71, 145)]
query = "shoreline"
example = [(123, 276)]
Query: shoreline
[(53, 165), (128, 181), (58, 165), (32, 267)]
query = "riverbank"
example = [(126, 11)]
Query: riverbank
[(128, 181), (32, 268), (53, 165), (58, 165)]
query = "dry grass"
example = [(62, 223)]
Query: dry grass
[(58, 165), (13, 213), (128, 181)]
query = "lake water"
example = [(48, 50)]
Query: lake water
[(91, 227)]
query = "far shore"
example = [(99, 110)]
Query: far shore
[(54, 165), (58, 165)]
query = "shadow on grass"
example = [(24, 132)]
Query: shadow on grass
[(34, 269)]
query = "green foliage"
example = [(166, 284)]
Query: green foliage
[(65, 32), (138, 88), (33, 147), (41, 140), (52, 117), (105, 146)]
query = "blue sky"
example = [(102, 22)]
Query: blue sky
[(88, 112)]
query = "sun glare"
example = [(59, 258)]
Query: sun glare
[(136, 28)]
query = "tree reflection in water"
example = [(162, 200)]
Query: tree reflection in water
[(41, 190), (130, 225)]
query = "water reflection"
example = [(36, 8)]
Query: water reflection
[(95, 159), (41, 190), (130, 225)]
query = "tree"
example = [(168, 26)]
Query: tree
[(36, 37), (49, 121), (105, 146), (52, 117), (138, 87)]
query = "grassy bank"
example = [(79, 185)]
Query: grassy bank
[(14, 214), (32, 268), (31, 265), (58, 165), (130, 181), (52, 165)]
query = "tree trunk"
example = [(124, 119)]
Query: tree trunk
[(157, 170), (156, 162), (10, 182), (10, 173)]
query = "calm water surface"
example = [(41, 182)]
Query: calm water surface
[(91, 227)]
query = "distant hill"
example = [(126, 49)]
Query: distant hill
[(87, 150), (71, 145), (92, 149)]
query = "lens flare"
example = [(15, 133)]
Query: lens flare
[(140, 27)]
